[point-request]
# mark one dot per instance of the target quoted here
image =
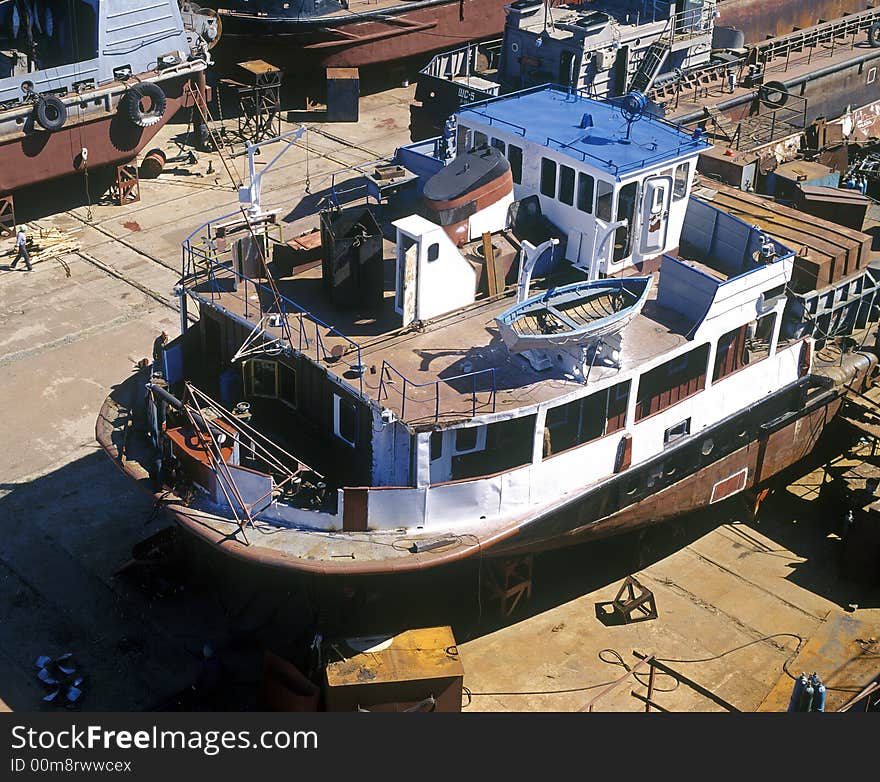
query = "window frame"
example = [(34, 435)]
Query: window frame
[(516, 166), (338, 401), (546, 181)]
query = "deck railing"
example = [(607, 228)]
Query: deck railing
[(203, 264), (387, 380)]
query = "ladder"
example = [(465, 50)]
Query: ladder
[(651, 63)]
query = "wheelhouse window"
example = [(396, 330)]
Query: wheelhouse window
[(604, 194), (345, 420), (586, 185), (498, 144), (515, 158), (463, 138), (566, 185), (586, 419), (480, 139), (744, 345), (672, 382), (680, 183), (548, 177)]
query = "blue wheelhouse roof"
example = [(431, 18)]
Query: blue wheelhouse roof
[(592, 131)]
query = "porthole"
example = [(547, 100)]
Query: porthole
[(707, 447)]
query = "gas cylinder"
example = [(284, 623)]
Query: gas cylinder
[(806, 700), (799, 683), (818, 694)]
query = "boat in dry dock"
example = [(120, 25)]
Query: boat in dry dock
[(307, 35), (357, 410), (85, 84), (679, 55)]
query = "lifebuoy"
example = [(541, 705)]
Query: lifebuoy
[(874, 34), (51, 113), (773, 93), (135, 97)]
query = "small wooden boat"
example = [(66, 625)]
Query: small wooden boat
[(573, 314)]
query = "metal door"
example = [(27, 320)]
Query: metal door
[(655, 214)]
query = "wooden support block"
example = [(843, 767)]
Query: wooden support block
[(7, 216), (509, 581), (128, 187)]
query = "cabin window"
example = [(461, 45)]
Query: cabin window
[(264, 378), (566, 185), (672, 382), (585, 192), (436, 445), (585, 419), (466, 439), (676, 432), (744, 345), (514, 157), (498, 144), (680, 183), (433, 252), (604, 193), (287, 384), (507, 445), (480, 139), (463, 138), (626, 210), (548, 177), (345, 420)]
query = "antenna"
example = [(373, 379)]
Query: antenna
[(633, 107)]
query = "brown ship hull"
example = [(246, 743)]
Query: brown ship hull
[(406, 31), (768, 447), (111, 139)]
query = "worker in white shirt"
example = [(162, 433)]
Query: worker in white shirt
[(21, 246)]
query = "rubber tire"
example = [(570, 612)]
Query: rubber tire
[(51, 113), (771, 87), (158, 102), (874, 35)]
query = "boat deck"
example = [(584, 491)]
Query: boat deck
[(455, 365)]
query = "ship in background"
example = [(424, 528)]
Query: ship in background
[(85, 84), (309, 35), (679, 55)]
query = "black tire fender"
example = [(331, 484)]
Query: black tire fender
[(773, 93), (134, 98), (874, 35), (51, 113)]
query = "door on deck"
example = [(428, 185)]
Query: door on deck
[(655, 214), (407, 279)]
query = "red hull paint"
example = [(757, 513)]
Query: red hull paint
[(452, 25), (111, 140)]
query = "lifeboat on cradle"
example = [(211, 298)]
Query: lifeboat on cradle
[(573, 314)]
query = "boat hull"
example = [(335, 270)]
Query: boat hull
[(408, 30), (749, 449), (36, 155)]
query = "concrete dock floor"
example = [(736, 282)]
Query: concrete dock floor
[(69, 519)]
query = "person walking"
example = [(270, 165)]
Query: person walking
[(21, 246)]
